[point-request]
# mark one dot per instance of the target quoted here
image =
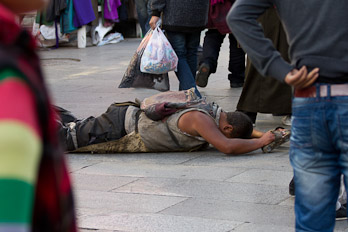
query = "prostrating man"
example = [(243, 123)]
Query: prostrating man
[(164, 125)]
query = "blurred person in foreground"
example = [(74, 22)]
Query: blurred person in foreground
[(35, 188), (317, 34)]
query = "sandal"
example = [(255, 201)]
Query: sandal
[(281, 137)]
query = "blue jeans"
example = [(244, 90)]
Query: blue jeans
[(318, 155), (144, 14), (185, 46)]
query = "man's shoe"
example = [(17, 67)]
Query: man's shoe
[(203, 75), (341, 213), (286, 120), (236, 84), (292, 187)]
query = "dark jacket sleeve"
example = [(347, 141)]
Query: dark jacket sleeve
[(157, 6), (242, 20)]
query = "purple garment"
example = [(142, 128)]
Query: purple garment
[(213, 2), (84, 13), (110, 9)]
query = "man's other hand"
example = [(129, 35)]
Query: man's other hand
[(301, 78), (267, 138), (153, 22)]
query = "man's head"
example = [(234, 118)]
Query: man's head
[(236, 125), (22, 6)]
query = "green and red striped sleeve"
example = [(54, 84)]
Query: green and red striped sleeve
[(20, 146)]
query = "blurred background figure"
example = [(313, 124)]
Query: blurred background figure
[(183, 21), (35, 187), (265, 94), (144, 14), (214, 37)]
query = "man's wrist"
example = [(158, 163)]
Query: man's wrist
[(156, 13)]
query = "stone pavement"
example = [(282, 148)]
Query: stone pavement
[(203, 191)]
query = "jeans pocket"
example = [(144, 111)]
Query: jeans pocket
[(302, 153), (301, 135), (343, 129)]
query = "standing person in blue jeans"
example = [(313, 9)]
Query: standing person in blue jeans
[(318, 49), (183, 21)]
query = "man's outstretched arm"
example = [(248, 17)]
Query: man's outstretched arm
[(200, 124)]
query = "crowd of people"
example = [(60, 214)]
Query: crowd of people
[(292, 50)]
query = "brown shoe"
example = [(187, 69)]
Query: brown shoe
[(203, 75)]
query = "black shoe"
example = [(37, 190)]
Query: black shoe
[(203, 75), (65, 115), (236, 84), (292, 187), (341, 213)]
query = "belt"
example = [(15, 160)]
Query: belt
[(323, 90)]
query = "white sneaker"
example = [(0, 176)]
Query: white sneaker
[(286, 120)]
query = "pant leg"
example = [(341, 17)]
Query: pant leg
[(341, 141), (143, 16), (184, 73), (237, 61), (211, 48), (192, 43), (315, 160), (106, 127)]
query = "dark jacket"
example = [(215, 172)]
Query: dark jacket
[(317, 36), (181, 15)]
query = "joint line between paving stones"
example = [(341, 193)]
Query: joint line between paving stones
[(191, 159), (187, 198), (126, 184), (85, 167)]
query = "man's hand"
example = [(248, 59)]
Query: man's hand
[(301, 78), (153, 22), (267, 138)]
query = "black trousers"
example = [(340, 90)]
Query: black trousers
[(211, 49), (107, 127)]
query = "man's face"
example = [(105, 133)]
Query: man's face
[(23, 6)]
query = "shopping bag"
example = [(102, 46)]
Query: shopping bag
[(133, 77), (159, 56)]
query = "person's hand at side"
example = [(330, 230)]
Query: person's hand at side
[(153, 22), (301, 78)]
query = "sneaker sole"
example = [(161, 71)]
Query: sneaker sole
[(341, 219)]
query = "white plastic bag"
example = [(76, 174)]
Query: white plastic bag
[(159, 56)]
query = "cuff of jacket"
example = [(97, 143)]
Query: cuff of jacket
[(279, 69), (156, 13)]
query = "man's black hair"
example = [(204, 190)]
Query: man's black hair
[(242, 125)]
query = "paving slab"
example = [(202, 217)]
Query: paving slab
[(136, 158), (247, 212), (155, 223), (162, 171), (208, 189), (122, 202), (99, 182)]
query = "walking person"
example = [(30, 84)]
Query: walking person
[(214, 37), (318, 50), (183, 21), (262, 94)]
